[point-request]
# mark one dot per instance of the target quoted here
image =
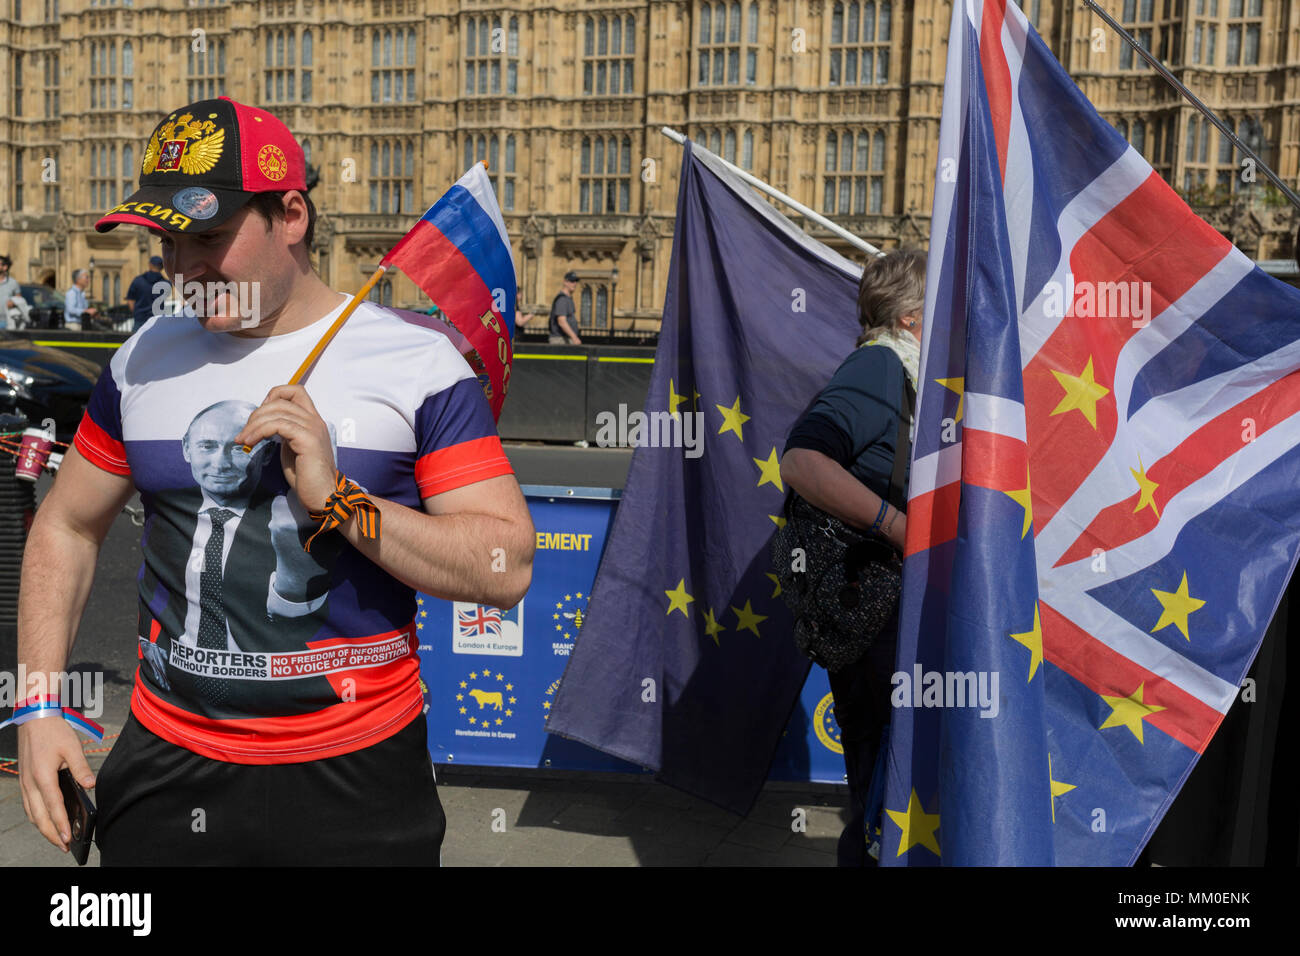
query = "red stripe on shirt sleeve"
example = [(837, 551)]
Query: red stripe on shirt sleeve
[(461, 464), (99, 448)]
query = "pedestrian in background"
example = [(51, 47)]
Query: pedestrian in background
[(142, 294), (14, 309), (562, 320), (75, 306)]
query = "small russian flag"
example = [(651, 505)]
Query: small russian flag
[(459, 255)]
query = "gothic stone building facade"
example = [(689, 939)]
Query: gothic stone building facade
[(835, 103)]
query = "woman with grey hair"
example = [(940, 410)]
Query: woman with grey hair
[(840, 458)]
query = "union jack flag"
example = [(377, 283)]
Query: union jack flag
[(1102, 508), (478, 621)]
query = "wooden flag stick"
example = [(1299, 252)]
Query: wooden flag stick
[(334, 328)]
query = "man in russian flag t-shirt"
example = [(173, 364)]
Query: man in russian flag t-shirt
[(287, 531)]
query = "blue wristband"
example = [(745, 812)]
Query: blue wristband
[(880, 515)]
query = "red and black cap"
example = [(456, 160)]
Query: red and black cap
[(205, 162)]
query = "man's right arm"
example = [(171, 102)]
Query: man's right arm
[(58, 569)]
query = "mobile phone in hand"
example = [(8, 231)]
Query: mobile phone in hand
[(81, 816)]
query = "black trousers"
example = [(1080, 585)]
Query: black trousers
[(162, 805), (861, 693)]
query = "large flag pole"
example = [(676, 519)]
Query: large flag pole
[(1223, 127), (775, 193)]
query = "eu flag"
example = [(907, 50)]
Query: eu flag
[(685, 663), (1102, 510)]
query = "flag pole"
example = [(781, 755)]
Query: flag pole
[(1191, 98), (775, 193), (338, 323)]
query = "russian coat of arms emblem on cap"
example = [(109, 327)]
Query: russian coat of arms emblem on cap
[(272, 162), (183, 144)]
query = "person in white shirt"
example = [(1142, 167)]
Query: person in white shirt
[(14, 309), (75, 305)]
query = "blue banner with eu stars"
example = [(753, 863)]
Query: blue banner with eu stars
[(685, 662)]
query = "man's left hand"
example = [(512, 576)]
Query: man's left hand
[(305, 452)]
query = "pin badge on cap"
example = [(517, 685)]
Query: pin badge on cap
[(196, 202)]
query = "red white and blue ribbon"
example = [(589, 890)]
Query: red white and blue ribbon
[(36, 707)]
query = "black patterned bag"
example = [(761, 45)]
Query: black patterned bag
[(843, 584)]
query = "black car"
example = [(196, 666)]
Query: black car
[(47, 306), (41, 383)]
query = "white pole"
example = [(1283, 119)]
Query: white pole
[(775, 193)]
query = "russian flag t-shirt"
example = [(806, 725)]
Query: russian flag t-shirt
[(251, 649)]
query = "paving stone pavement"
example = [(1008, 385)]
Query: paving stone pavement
[(506, 817)]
